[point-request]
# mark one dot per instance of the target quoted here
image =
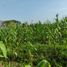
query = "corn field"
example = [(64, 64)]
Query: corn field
[(28, 44)]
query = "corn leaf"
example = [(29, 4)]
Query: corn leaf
[(3, 49)]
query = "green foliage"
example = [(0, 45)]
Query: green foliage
[(44, 63), (27, 65), (31, 43), (3, 49)]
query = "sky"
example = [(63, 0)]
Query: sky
[(32, 10)]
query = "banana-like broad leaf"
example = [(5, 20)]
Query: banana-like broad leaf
[(3, 49), (44, 63)]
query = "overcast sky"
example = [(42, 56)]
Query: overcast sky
[(25, 10)]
